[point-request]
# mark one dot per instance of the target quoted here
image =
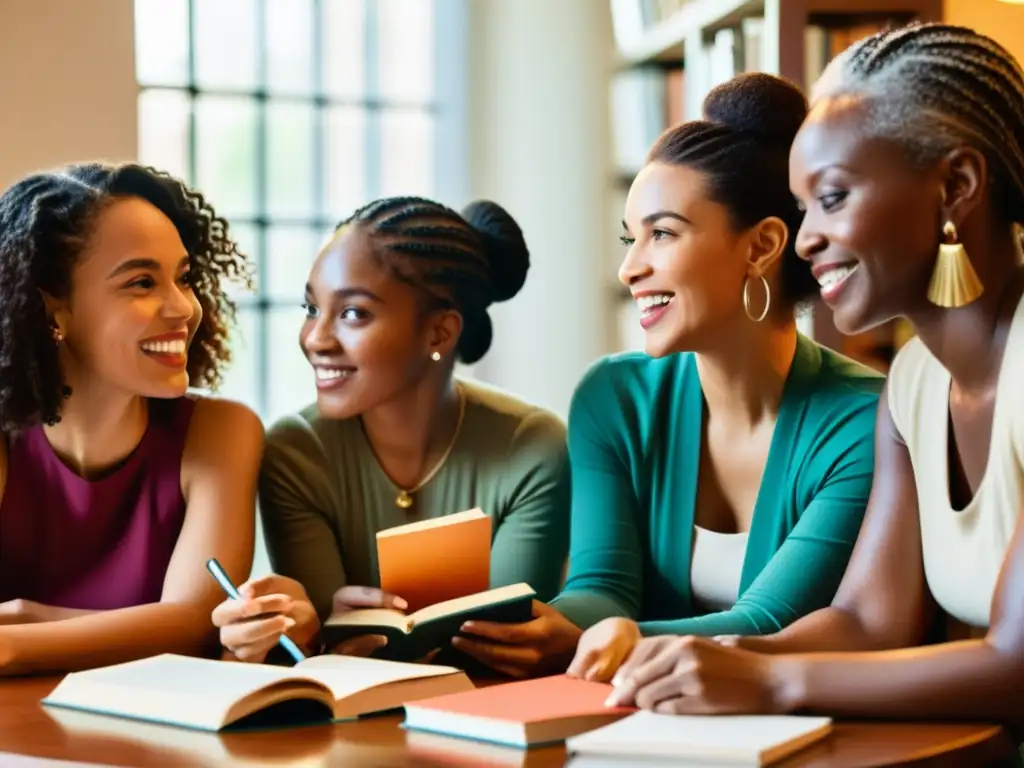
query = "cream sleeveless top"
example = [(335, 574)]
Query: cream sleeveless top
[(963, 550), (716, 568)]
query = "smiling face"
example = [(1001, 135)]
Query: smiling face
[(872, 219), (686, 263), (366, 334), (131, 312)]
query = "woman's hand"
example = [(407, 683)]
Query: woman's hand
[(695, 676), (270, 607), (544, 645), (603, 648), (354, 598)]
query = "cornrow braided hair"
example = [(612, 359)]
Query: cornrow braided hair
[(936, 86), (462, 261)]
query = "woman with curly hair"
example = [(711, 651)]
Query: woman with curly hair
[(115, 486)]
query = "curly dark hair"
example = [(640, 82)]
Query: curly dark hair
[(45, 222)]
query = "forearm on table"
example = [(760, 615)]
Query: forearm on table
[(829, 629), (44, 613), (734, 622), (107, 637), (967, 680)]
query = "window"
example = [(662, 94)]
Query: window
[(287, 115)]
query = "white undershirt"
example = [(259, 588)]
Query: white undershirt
[(716, 568)]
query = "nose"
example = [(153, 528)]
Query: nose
[(181, 304), (317, 335), (809, 240), (634, 267)]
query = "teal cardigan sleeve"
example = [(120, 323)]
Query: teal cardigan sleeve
[(532, 540), (606, 556), (804, 574)]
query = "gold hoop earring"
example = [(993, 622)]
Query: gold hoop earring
[(746, 299), (954, 282), (435, 356)]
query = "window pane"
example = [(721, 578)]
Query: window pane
[(225, 43), (241, 376), (163, 131), (247, 238), (226, 153), (346, 172), (161, 42), (290, 46), (290, 253), (290, 159), (406, 49), (344, 45), (407, 153), (291, 386)]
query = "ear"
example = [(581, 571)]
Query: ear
[(444, 328), (964, 175), (56, 310), (767, 242)]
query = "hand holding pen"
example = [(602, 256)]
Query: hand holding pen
[(257, 615)]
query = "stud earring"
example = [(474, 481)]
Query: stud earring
[(58, 337), (435, 356), (954, 282)]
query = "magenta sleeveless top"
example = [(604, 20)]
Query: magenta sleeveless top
[(93, 544)]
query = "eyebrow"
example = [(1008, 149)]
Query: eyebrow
[(349, 293), (133, 264), (653, 217)]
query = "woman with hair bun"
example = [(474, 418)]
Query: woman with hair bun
[(395, 298), (719, 479)]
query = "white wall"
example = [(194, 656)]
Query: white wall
[(539, 145), (67, 84)]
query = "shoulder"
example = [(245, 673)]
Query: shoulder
[(216, 423), (301, 439), (631, 380), (912, 370), (835, 386), (528, 428)]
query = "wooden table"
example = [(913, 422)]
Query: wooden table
[(28, 729)]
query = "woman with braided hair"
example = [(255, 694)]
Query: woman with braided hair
[(116, 485), (395, 298), (911, 169)]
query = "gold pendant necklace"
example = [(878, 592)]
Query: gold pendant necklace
[(404, 499)]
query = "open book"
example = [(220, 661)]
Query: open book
[(213, 695), (651, 740), (413, 635)]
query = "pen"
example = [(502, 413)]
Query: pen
[(218, 573)]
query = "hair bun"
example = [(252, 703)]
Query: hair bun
[(760, 104), (507, 254)]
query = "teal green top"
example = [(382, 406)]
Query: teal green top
[(635, 426), (323, 497)]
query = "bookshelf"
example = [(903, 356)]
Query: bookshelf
[(669, 53)]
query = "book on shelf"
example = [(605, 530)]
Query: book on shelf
[(212, 695), (521, 714), (649, 739)]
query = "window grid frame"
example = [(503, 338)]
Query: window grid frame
[(261, 303)]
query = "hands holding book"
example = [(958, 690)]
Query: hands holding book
[(541, 646), (274, 605)]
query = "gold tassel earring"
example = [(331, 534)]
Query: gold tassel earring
[(954, 281)]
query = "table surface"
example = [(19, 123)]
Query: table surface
[(31, 735)]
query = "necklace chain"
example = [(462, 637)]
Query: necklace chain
[(404, 499)]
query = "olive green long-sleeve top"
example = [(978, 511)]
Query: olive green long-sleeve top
[(323, 496), (635, 427)]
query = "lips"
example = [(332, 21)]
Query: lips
[(331, 376), (653, 305), (834, 277)]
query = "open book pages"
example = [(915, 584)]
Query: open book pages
[(212, 695)]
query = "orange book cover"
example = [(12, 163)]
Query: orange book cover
[(521, 713), (431, 561)]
